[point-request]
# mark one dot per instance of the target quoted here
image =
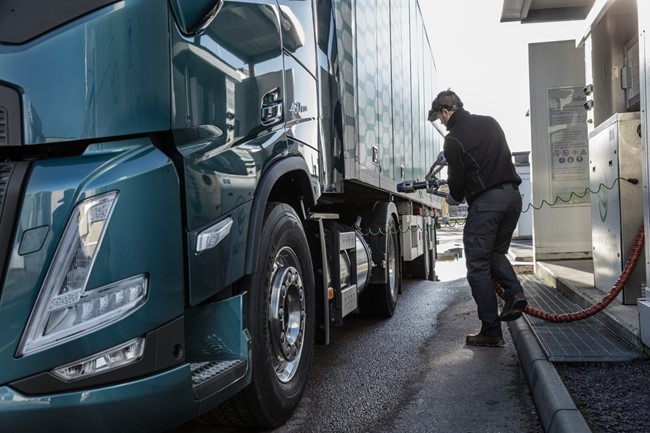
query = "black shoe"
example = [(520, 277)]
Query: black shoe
[(513, 307), (484, 340)]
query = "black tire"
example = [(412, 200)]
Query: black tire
[(380, 297), (280, 319)]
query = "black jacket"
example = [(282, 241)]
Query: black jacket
[(478, 156)]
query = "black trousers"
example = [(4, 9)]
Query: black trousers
[(491, 220)]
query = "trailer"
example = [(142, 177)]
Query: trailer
[(193, 192)]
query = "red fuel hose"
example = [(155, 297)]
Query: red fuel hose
[(635, 252)]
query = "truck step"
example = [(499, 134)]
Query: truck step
[(211, 376)]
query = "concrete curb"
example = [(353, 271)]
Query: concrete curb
[(555, 406)]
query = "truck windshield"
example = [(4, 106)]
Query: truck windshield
[(22, 20)]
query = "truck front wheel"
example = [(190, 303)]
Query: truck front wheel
[(280, 320)]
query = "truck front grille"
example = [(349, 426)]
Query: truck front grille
[(5, 174), (4, 136), (10, 117)]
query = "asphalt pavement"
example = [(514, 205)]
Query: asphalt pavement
[(555, 406)]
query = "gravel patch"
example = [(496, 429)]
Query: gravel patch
[(613, 397)]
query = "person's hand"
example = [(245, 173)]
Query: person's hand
[(450, 200), (441, 160)]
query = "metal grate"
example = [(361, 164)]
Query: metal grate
[(586, 340)]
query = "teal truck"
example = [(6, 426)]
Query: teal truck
[(193, 192)]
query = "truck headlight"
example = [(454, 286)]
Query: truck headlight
[(64, 309)]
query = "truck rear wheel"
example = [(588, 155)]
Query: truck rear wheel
[(380, 297), (423, 267), (281, 322), (433, 254)]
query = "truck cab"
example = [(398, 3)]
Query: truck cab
[(184, 206)]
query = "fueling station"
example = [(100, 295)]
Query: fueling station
[(589, 154), (278, 139)]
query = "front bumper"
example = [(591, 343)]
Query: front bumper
[(151, 404)]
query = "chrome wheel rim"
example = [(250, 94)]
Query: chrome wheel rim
[(287, 314)]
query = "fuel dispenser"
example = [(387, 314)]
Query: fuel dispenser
[(616, 207)]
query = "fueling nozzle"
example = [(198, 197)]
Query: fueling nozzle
[(431, 182), (431, 185)]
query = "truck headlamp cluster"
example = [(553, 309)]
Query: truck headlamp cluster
[(64, 309)]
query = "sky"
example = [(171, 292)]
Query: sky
[(486, 62)]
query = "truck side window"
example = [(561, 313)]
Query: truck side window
[(222, 76), (296, 23)]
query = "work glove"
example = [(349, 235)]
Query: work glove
[(451, 201), (441, 160)]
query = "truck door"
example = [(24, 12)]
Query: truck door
[(228, 122), (298, 40)]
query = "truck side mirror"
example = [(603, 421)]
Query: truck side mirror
[(194, 16)]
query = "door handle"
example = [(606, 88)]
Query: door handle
[(271, 110)]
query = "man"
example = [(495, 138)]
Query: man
[(480, 170)]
